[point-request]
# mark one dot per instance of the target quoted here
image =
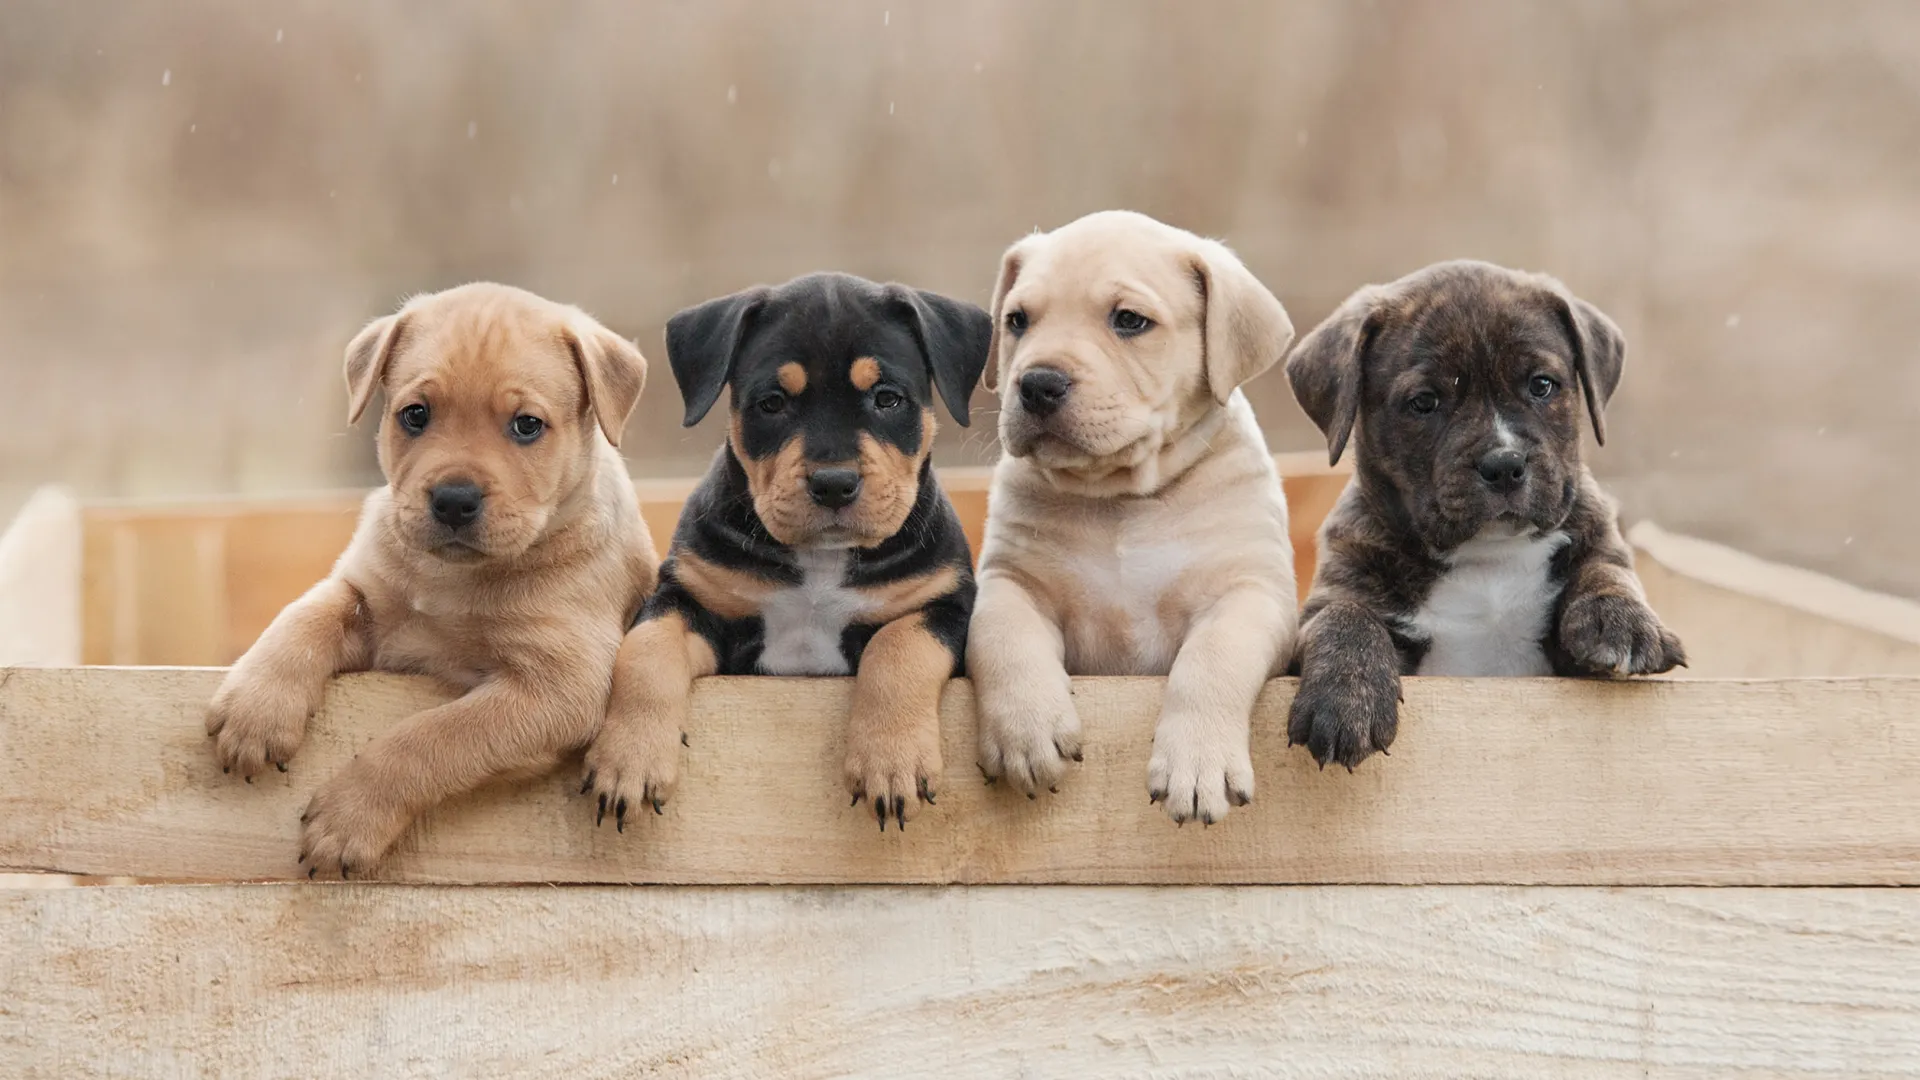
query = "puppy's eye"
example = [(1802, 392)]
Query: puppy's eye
[(524, 429), (772, 404), (1423, 402), (1542, 387), (1128, 323), (888, 399), (413, 419), (1016, 323)]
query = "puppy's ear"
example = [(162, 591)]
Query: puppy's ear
[(611, 368), (997, 314), (1599, 352), (367, 357), (955, 337), (1325, 370), (1244, 330), (702, 342)]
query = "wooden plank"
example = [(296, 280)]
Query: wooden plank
[(40, 581), (1808, 782), (352, 980), (1743, 616)]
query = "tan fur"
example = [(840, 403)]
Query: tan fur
[(896, 598), (864, 373), (727, 593), (793, 378), (526, 620), (1144, 532), (635, 758), (779, 486), (893, 741)]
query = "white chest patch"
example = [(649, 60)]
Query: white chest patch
[(1488, 613), (1120, 633), (803, 623)]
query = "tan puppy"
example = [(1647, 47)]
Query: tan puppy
[(504, 558), (1136, 524)]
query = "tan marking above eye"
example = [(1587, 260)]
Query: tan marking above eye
[(793, 379), (864, 373)]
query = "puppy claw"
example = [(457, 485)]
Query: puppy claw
[(602, 815), (659, 808), (281, 765), (312, 870), (587, 784), (683, 739), (857, 797)]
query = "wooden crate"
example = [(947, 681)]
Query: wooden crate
[(1565, 878)]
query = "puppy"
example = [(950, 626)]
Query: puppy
[(1472, 540), (819, 542), (1136, 524), (503, 558)]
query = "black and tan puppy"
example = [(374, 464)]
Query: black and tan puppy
[(819, 542), (1473, 540)]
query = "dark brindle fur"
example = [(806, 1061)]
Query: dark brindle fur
[(1466, 382)]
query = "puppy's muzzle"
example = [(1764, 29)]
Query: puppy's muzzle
[(1044, 390), (1504, 470), (455, 505), (834, 489)]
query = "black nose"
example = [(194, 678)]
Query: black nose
[(455, 504), (1044, 390), (1504, 470), (834, 488)]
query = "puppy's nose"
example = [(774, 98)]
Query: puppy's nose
[(1504, 470), (1043, 390), (834, 488), (455, 504)]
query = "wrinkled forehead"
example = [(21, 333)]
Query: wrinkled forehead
[(1095, 271), (484, 353), (835, 341), (1471, 328)]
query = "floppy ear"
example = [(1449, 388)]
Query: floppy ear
[(611, 368), (1325, 369), (1599, 352), (1244, 330), (367, 357), (954, 335), (702, 342), (996, 312)]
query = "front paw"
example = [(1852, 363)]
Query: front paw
[(255, 723), (1028, 740), (1199, 768), (1618, 635), (898, 770), (351, 822), (633, 766), (1344, 714)]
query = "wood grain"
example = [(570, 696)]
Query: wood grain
[(107, 771), (352, 980), (40, 581)]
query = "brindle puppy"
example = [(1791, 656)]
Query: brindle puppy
[(819, 542), (1473, 540)]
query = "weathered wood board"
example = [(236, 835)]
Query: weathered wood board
[(1486, 982), (1805, 782)]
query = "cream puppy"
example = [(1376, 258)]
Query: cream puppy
[(1136, 524)]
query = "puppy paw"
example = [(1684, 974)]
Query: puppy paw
[(255, 724), (631, 768), (897, 770), (1344, 716), (350, 823), (1618, 635), (1028, 743), (1199, 769)]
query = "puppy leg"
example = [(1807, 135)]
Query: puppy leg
[(893, 740), (1606, 627), (1200, 762), (1017, 660), (1348, 702), (517, 722), (634, 761), (259, 715)]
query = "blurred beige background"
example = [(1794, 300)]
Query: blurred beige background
[(201, 200)]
